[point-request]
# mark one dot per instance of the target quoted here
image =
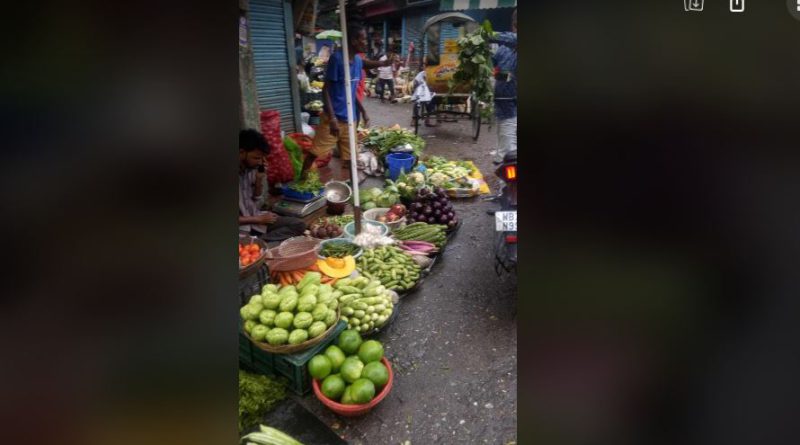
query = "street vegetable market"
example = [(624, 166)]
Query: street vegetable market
[(313, 303)]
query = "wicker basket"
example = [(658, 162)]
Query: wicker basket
[(295, 253), (292, 349)]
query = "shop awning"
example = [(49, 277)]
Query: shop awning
[(459, 5)]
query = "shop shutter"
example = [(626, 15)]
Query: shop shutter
[(272, 60)]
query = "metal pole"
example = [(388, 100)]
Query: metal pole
[(351, 128)]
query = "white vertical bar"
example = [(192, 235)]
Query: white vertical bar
[(351, 129)]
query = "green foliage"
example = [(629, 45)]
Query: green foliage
[(381, 140), (475, 63), (257, 395)]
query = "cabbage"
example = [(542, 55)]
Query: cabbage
[(316, 329), (259, 332), (303, 320), (298, 336), (277, 336), (373, 193)]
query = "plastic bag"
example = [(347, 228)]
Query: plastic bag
[(295, 155), (279, 165)]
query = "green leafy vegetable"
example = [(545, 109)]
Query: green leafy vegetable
[(382, 140), (311, 184), (475, 64), (295, 155), (257, 395)]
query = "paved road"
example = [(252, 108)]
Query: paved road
[(453, 344)]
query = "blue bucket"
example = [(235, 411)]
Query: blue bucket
[(399, 162)]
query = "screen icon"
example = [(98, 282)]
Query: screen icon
[(694, 5), (738, 5)]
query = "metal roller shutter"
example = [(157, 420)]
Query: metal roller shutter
[(273, 60)]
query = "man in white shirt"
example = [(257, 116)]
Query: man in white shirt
[(424, 96), (385, 79)]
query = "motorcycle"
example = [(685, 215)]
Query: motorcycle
[(506, 217)]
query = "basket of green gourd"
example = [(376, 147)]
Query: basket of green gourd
[(290, 319)]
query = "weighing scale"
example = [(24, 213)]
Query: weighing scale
[(299, 209)]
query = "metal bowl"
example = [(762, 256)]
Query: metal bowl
[(337, 192)]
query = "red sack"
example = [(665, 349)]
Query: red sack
[(279, 165)]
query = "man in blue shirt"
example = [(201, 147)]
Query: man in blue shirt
[(505, 90), (332, 129)]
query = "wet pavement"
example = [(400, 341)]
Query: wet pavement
[(453, 345)]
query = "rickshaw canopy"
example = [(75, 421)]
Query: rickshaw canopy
[(451, 17)]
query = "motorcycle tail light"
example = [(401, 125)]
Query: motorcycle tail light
[(510, 172), (511, 239)]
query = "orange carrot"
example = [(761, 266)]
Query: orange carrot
[(298, 275), (283, 280)]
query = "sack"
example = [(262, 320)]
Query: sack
[(279, 165)]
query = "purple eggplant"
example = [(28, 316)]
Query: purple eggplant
[(437, 212), (437, 205), (427, 210), (452, 224), (431, 220), (420, 218), (444, 219)]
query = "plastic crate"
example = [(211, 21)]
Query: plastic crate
[(252, 284), (293, 366), (245, 352)]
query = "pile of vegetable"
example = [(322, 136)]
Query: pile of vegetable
[(337, 267), (369, 240), (391, 265), (311, 184), (339, 249), (408, 184), (325, 230), (291, 314), (383, 140), (295, 276), (351, 372), (475, 66), (365, 303), (448, 174), (376, 197), (433, 207), (314, 105), (419, 231), (268, 436), (249, 254), (257, 395), (396, 213)]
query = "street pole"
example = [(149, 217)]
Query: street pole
[(351, 128)]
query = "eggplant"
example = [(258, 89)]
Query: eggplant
[(427, 210), (452, 224), (423, 192), (420, 218), (431, 220), (437, 205), (437, 213)]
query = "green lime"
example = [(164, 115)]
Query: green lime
[(351, 369), (319, 366), (336, 356), (333, 387), (349, 341), (347, 398), (376, 372), (370, 351), (362, 391)]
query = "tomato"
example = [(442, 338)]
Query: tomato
[(254, 248), (246, 261)]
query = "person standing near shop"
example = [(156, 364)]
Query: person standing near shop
[(253, 151), (386, 78), (505, 90), (424, 96), (332, 129)]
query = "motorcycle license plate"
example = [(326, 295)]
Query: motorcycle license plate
[(505, 221)]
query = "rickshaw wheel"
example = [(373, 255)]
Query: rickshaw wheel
[(476, 120)]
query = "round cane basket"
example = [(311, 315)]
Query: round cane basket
[(292, 349), (295, 253)]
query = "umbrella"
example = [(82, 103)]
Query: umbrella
[(330, 34)]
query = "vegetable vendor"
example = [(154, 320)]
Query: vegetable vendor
[(332, 130), (253, 151), (505, 90)]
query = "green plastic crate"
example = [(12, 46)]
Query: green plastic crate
[(292, 366)]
